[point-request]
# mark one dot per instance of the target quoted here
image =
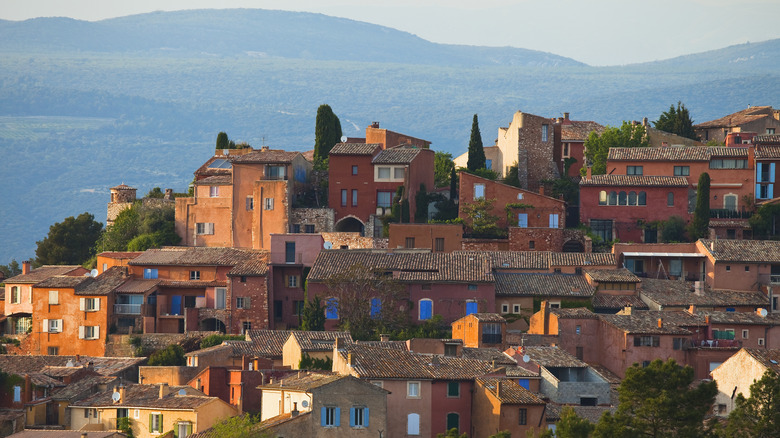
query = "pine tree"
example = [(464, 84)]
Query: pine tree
[(676, 121), (327, 132), (477, 158)]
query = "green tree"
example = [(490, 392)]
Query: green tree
[(172, 355), (572, 426), (313, 363), (313, 315), (452, 433), (477, 158), (218, 339), (155, 193), (484, 173), (764, 222), (10, 270), (327, 131), (442, 169), (700, 224), (421, 205), (222, 141), (597, 146), (673, 230), (139, 228), (757, 416), (240, 426), (659, 400), (480, 219), (676, 121), (70, 242), (502, 434), (511, 178)]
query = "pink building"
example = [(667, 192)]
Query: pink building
[(292, 255)]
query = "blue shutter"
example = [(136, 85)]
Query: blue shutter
[(337, 418), (352, 417), (771, 172), (522, 220), (769, 191), (758, 171), (323, 415), (365, 417), (332, 309), (525, 383), (176, 305), (472, 307), (376, 307), (758, 191), (426, 309)]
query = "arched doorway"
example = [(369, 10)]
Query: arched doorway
[(212, 325), (350, 224)]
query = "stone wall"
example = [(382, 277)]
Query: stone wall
[(536, 239), (323, 219), (354, 241), (114, 208), (485, 244)]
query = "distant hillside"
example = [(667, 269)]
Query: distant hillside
[(256, 33), (761, 55)]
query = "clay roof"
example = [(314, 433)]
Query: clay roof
[(512, 259), (120, 254), (572, 130), (736, 119), (603, 301), (767, 139), (487, 355), (635, 181), (355, 149), (318, 341), (384, 363), (510, 392), (216, 180), (83, 387), (42, 273), (765, 152), (609, 376), (103, 284), (547, 285), (730, 223), (270, 343), (138, 286), (148, 396), (406, 267), (256, 264), (62, 281), (199, 256), (768, 358), (746, 251), (192, 284), (646, 322), (742, 318), (394, 345), (553, 357), (270, 156), (621, 275), (304, 381), (399, 155), (31, 433), (676, 293), (582, 259), (486, 317), (105, 366), (573, 313), (676, 153)]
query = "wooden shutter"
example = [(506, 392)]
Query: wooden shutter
[(45, 328), (81, 332), (82, 304)]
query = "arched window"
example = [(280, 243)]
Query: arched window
[(730, 202), (603, 197), (670, 199), (622, 198), (453, 421), (632, 198), (642, 198), (426, 309), (613, 198), (332, 308), (413, 424)]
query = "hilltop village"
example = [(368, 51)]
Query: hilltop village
[(337, 297)]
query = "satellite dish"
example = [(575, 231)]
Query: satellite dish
[(343, 140), (305, 403), (69, 364), (182, 392), (94, 273), (526, 358), (328, 245), (762, 312), (116, 396)]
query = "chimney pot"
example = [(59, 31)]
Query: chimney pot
[(660, 323), (565, 116), (384, 338), (163, 389), (706, 319)]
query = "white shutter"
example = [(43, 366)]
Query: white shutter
[(45, 328), (82, 303), (81, 332), (96, 332), (246, 303), (97, 303), (210, 228), (59, 326)]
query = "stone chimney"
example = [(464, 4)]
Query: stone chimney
[(375, 124), (26, 267), (644, 121), (163, 390), (384, 338), (565, 116), (168, 194), (121, 390)]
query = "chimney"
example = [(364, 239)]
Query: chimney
[(707, 319), (644, 121), (541, 189), (84, 435), (588, 173), (627, 310), (163, 389), (121, 391), (349, 359), (294, 411), (565, 116), (660, 323), (78, 358), (168, 193), (384, 338), (692, 309), (375, 124), (26, 267)]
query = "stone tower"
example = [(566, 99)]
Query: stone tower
[(122, 197)]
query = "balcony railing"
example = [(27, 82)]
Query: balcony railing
[(774, 279), (127, 309), (724, 213)]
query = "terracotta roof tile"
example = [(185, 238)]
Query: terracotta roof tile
[(319, 341), (553, 357), (216, 180), (769, 140), (572, 130), (510, 392), (737, 118), (148, 396), (263, 156), (621, 275), (646, 322), (603, 302), (42, 273), (400, 155), (675, 293), (686, 153), (355, 149), (491, 355), (513, 259), (582, 259), (105, 366), (393, 345), (746, 251), (83, 387), (138, 286), (198, 256), (120, 254), (573, 313), (543, 285), (769, 358), (745, 318), (635, 181)]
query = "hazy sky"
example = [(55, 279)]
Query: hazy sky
[(598, 32)]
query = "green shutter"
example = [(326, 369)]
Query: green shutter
[(150, 423)]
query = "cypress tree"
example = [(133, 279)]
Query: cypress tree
[(700, 223), (222, 141), (327, 131), (477, 158)]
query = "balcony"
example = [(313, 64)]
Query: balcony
[(127, 309), (724, 213)]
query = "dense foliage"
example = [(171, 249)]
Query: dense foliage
[(70, 242), (442, 168), (677, 121), (327, 132), (313, 363), (480, 220), (700, 224), (172, 355), (628, 135), (757, 416), (476, 158), (139, 228), (215, 339), (313, 315)]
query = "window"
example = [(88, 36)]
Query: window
[(545, 132), (245, 327), (426, 309), (554, 220), (275, 172), (730, 202), (268, 204), (137, 412), (308, 228), (204, 228), (602, 228), (531, 244), (770, 131), (354, 197), (289, 252), (682, 170), (220, 297), (185, 428), (383, 172), (89, 332), (150, 273), (489, 164), (565, 150), (642, 198), (505, 308), (472, 287), (632, 199), (376, 307), (297, 307), (578, 329), (52, 351), (293, 281), (622, 198), (438, 244), (332, 308), (52, 325), (453, 421), (121, 413), (354, 170), (728, 164), (15, 295), (670, 199), (453, 389), (728, 268), (398, 173), (425, 286), (745, 333), (295, 228), (214, 191), (603, 197), (242, 302), (519, 196), (612, 198), (155, 423), (491, 333), (479, 191), (678, 343), (747, 268), (413, 424), (522, 220), (647, 341), (522, 416), (358, 416), (760, 342), (384, 199), (194, 275), (412, 389), (634, 170), (450, 350), (675, 267), (54, 297), (343, 197), (472, 307), (17, 393), (516, 308), (250, 203), (410, 242)]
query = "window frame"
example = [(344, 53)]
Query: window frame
[(453, 389), (410, 393), (194, 275)]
